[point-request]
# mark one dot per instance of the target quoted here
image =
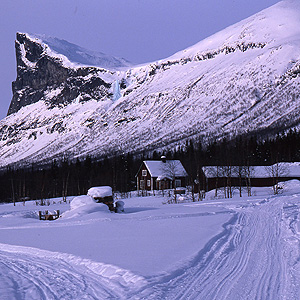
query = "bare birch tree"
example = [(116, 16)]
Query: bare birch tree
[(249, 173), (277, 171), (227, 173), (240, 172), (170, 171)]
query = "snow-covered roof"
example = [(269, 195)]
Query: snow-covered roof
[(100, 191), (283, 169), (167, 169)]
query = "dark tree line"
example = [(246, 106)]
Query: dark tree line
[(67, 177), (242, 151)]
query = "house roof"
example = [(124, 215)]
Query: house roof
[(168, 169), (283, 170)]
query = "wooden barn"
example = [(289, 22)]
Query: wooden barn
[(161, 174), (256, 176)]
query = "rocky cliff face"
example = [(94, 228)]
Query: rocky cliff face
[(244, 79), (45, 75)]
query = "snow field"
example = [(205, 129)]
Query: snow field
[(239, 248)]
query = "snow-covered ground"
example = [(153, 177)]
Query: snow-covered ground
[(240, 248)]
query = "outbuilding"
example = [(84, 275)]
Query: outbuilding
[(256, 176)]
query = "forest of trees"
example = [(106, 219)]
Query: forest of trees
[(67, 177)]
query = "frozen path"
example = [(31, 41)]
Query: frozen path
[(256, 257), (28, 273)]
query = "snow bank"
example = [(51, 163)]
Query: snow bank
[(81, 201), (85, 210), (84, 205), (100, 191), (291, 186), (80, 278)]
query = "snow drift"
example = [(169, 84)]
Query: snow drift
[(84, 205), (80, 201)]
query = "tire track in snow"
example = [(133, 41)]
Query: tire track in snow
[(28, 273), (244, 262)]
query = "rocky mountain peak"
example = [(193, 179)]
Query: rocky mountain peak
[(40, 71)]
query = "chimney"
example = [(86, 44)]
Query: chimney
[(163, 159)]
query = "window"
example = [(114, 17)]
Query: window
[(144, 172), (178, 183), (148, 183)]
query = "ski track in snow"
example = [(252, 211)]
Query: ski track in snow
[(251, 259), (28, 273), (255, 257)]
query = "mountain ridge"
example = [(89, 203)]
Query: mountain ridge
[(241, 80), (81, 56)]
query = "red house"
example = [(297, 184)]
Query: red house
[(161, 174)]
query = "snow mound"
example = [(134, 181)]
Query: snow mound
[(81, 201), (100, 191), (85, 210), (84, 205), (291, 186)]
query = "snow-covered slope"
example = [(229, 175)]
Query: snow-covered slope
[(81, 55), (242, 79)]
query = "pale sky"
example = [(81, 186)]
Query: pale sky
[(138, 30)]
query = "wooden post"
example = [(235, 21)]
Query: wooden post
[(13, 192)]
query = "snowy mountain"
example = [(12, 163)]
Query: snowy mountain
[(81, 55), (243, 79), (53, 70)]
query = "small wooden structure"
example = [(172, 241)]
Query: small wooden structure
[(179, 191), (102, 194), (48, 216)]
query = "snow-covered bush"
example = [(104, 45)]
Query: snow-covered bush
[(81, 201)]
